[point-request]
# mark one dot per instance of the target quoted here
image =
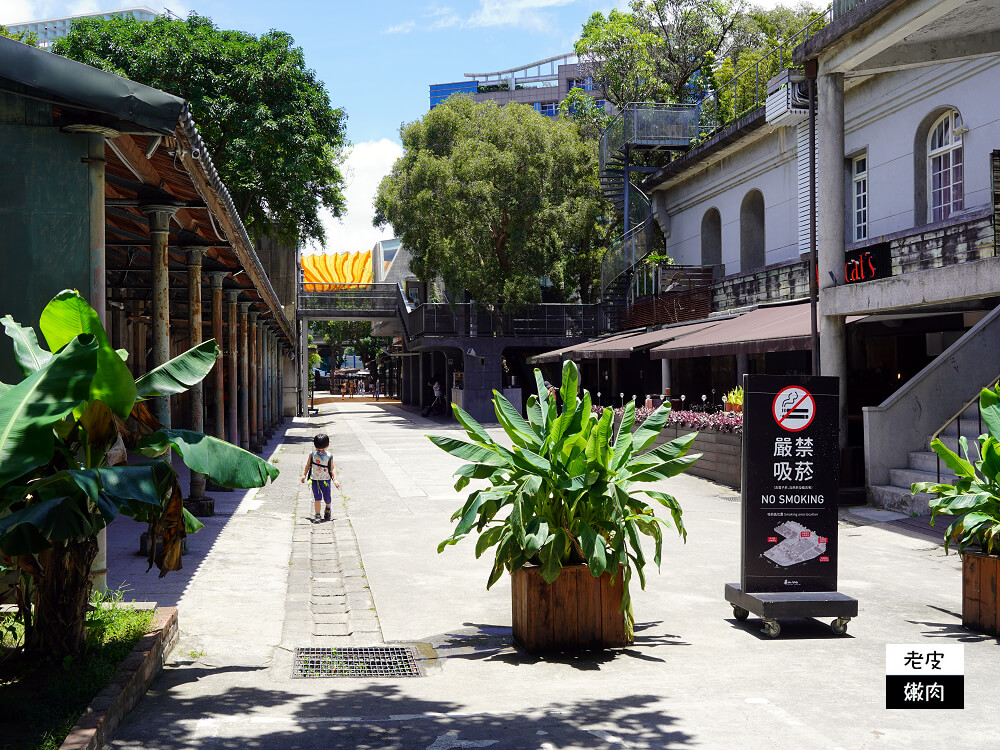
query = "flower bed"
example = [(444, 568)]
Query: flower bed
[(720, 421)]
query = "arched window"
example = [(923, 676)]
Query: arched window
[(752, 231), (945, 166), (711, 238)]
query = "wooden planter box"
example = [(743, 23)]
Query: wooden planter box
[(722, 454), (980, 607), (577, 612)]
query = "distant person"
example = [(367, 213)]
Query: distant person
[(377, 388), (319, 469), (343, 389)]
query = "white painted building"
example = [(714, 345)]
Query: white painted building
[(908, 175), (50, 29)]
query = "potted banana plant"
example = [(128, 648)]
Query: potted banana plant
[(974, 501), (65, 429), (561, 512)]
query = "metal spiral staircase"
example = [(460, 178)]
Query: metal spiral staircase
[(638, 127)]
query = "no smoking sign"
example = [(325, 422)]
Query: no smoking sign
[(793, 408)]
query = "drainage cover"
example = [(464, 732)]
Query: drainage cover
[(374, 661)]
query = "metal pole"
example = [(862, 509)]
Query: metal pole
[(194, 256), (813, 266), (218, 372), (159, 229), (232, 391), (244, 378)]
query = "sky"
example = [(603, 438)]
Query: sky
[(377, 60)]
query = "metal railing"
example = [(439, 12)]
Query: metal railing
[(667, 125), (346, 299), (627, 250), (746, 90), (840, 7), (479, 321), (957, 420)]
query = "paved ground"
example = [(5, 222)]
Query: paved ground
[(261, 580)]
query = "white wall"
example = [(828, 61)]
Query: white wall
[(768, 164), (883, 114)]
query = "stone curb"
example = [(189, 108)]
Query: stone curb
[(126, 688)]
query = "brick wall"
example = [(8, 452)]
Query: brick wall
[(943, 246), (722, 454), (777, 283)]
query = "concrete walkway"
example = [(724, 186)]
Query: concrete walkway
[(262, 580)]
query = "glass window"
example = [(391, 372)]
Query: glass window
[(549, 109), (859, 177), (945, 174)]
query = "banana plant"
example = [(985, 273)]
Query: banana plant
[(975, 496), (563, 493), (65, 433)]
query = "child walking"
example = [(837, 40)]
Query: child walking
[(320, 469)]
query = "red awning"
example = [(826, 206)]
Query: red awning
[(575, 352), (766, 329)]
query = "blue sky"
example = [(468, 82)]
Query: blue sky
[(377, 59)]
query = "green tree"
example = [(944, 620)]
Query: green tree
[(26, 37), (480, 193), (267, 119), (64, 431), (687, 31), (617, 52)]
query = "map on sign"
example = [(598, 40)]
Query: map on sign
[(794, 408), (800, 544)]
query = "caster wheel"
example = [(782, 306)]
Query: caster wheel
[(739, 613), (771, 628), (839, 626)]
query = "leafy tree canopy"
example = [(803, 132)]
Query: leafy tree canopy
[(274, 137), (482, 193), (677, 50), (27, 37), (617, 52)]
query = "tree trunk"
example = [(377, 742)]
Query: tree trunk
[(61, 596)]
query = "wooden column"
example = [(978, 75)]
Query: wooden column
[(243, 375), (159, 226), (253, 377), (194, 257), (218, 374), (232, 390)]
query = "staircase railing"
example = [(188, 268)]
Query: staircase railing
[(958, 418), (628, 249)]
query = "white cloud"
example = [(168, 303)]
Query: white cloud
[(526, 14), (401, 28), (366, 165), (17, 11)]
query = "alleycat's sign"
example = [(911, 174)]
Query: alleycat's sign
[(868, 263), (790, 478)]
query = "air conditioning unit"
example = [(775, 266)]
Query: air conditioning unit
[(787, 99)]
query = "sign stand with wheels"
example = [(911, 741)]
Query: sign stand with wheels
[(789, 486)]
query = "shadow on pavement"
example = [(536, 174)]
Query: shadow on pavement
[(367, 715), (478, 641)]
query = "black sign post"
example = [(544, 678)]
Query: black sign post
[(789, 502)]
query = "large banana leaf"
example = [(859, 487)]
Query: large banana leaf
[(66, 317), (30, 356), (224, 463), (180, 373), (29, 409)]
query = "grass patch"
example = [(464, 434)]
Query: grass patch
[(41, 701)]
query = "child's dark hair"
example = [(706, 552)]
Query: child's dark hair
[(321, 441)]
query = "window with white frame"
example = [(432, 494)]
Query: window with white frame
[(945, 167), (859, 182)]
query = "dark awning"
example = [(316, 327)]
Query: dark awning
[(622, 347), (766, 329), (47, 75), (576, 351)]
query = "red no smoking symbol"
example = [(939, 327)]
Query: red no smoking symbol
[(794, 408)]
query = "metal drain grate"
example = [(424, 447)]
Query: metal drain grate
[(373, 661)]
